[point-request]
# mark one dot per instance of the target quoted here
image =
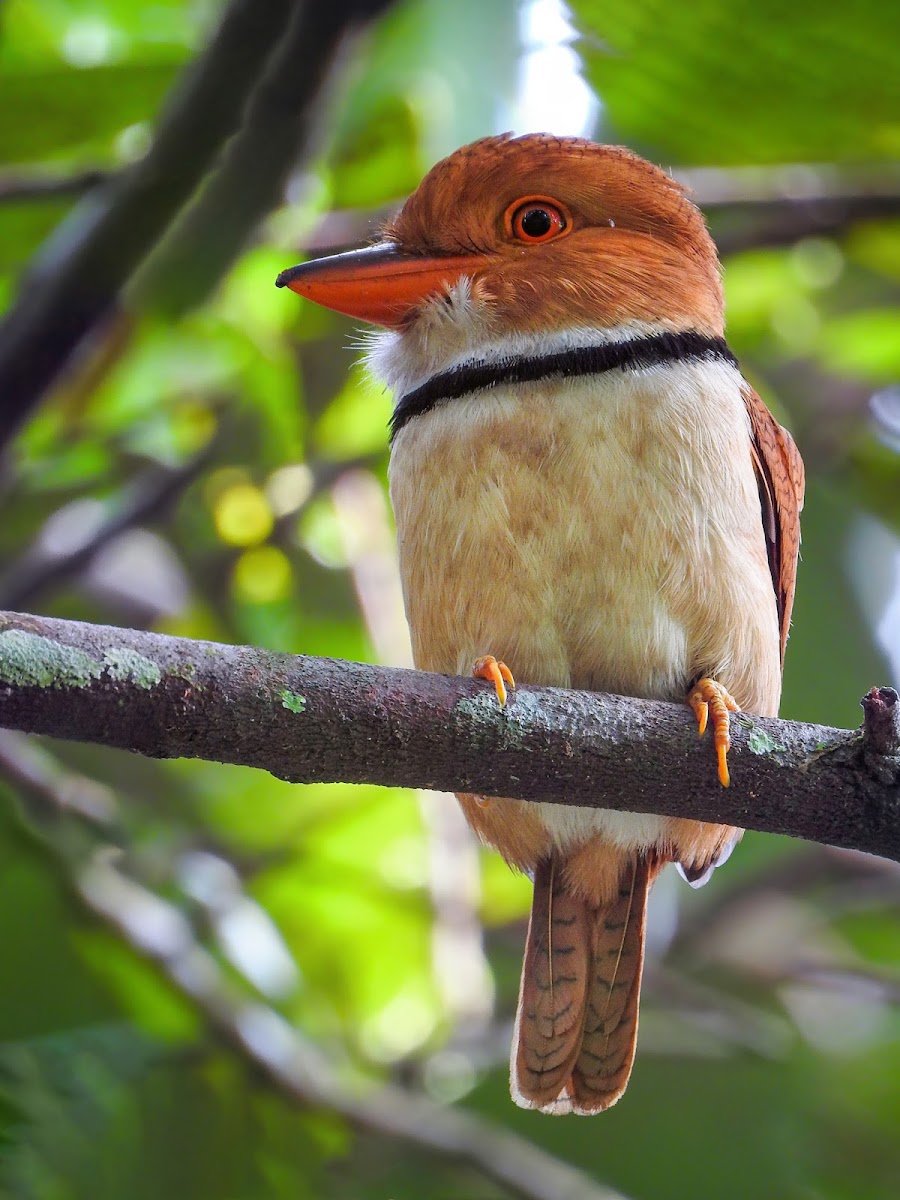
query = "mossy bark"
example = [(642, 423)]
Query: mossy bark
[(312, 720)]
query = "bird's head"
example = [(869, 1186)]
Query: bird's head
[(527, 237)]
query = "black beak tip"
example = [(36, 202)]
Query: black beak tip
[(285, 278)]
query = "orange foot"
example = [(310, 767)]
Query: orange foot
[(708, 697), (498, 673)]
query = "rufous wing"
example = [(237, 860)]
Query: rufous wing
[(781, 479)]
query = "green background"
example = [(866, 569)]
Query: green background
[(770, 1057)]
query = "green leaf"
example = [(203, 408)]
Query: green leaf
[(23, 226), (863, 343), (753, 81), (58, 110)]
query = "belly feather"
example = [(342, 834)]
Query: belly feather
[(589, 540)]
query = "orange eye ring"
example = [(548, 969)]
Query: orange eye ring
[(535, 219)]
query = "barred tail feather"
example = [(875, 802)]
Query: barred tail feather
[(577, 1021)]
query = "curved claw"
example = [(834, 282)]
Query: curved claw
[(707, 698), (498, 673)]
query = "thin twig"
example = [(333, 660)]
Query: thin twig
[(33, 770), (149, 496), (317, 720), (750, 206), (16, 188), (787, 183)]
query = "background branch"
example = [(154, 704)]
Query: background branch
[(75, 281), (277, 132), (77, 275), (316, 720), (15, 188), (161, 933), (748, 207), (154, 491)]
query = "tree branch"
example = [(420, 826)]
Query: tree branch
[(320, 720)]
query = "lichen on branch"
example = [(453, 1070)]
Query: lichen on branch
[(312, 720)]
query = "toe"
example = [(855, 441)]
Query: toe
[(487, 667)]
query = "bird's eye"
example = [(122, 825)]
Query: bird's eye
[(535, 220)]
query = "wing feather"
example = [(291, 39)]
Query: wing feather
[(780, 475)]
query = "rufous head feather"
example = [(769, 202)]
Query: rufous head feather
[(546, 233)]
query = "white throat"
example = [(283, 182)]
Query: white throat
[(456, 330)]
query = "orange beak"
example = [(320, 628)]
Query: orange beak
[(380, 283)]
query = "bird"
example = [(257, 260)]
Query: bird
[(588, 494)]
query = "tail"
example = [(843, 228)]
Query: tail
[(576, 1028)]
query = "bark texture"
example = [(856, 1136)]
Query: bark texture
[(322, 720)]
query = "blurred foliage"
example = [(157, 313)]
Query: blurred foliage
[(748, 82), (770, 1051)]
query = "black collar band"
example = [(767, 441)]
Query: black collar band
[(650, 351)]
